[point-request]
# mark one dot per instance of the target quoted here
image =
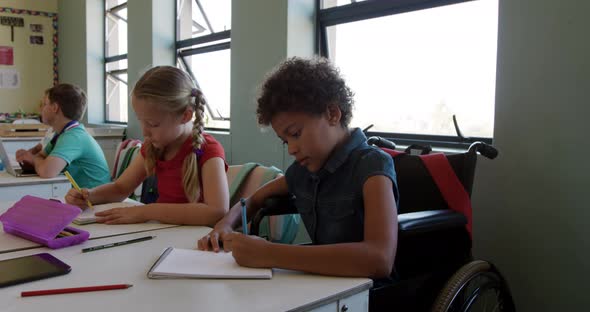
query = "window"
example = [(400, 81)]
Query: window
[(414, 64), (203, 50), (116, 90)]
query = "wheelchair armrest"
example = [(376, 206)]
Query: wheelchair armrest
[(273, 206), (430, 221)]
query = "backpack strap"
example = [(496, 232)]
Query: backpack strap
[(239, 179), (451, 189), (120, 147), (129, 154)]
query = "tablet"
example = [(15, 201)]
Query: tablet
[(31, 268)]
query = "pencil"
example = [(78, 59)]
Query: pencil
[(66, 233), (73, 290), (244, 217), (75, 185), (131, 241)]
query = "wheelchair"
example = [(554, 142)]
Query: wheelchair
[(434, 269)]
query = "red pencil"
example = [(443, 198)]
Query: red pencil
[(72, 290)]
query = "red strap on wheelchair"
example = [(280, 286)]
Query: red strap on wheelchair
[(391, 152), (451, 189)]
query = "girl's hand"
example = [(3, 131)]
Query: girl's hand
[(250, 250), (80, 199), (121, 215), (216, 239)]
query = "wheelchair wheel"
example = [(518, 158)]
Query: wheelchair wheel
[(477, 286)]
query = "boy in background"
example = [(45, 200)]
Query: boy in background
[(71, 148)]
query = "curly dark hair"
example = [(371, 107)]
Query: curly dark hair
[(304, 85)]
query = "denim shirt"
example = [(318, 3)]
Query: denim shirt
[(331, 201)]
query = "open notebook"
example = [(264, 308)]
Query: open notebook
[(87, 216), (189, 263)]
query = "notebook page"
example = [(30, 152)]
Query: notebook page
[(205, 264), (87, 216)]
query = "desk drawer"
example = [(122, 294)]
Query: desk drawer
[(14, 193), (59, 190)]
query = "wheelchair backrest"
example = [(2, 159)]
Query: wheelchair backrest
[(417, 189)]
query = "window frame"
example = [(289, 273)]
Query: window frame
[(206, 44), (358, 11), (111, 59)]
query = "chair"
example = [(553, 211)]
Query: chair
[(433, 243), (124, 154), (243, 181)]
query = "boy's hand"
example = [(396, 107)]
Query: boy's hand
[(216, 238), (24, 156), (76, 198), (249, 250), (121, 215)]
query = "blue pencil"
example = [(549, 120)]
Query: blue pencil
[(244, 219)]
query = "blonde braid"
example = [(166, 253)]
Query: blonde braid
[(190, 179), (151, 155)]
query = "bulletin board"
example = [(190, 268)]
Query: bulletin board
[(28, 58)]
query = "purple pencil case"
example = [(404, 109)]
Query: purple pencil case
[(43, 221)]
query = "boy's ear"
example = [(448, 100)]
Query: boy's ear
[(55, 107), (333, 114)]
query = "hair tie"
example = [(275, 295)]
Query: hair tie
[(199, 152), (194, 92)]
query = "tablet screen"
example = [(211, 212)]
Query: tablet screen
[(30, 268)]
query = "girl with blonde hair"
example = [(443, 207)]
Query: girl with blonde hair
[(188, 163)]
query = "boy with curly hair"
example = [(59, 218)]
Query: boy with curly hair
[(345, 190)]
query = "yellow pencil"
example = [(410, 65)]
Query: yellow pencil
[(75, 185), (66, 233)]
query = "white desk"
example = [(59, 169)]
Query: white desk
[(14, 188), (286, 291), (10, 242)]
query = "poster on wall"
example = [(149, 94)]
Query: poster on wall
[(36, 40), (9, 79), (36, 28), (6, 55)]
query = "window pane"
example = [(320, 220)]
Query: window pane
[(211, 71), (115, 27), (210, 17), (424, 67), (116, 91), (334, 3)]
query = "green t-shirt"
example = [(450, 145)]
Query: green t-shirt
[(84, 157)]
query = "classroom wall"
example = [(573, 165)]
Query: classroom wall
[(36, 5), (152, 24), (256, 48), (81, 51), (530, 206), (34, 63)]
